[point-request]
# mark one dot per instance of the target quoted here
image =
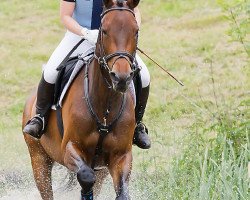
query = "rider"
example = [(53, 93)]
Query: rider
[(82, 20)]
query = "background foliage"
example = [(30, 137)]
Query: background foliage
[(238, 13)]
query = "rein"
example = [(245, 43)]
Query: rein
[(102, 127)]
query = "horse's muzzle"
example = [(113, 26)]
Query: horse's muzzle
[(121, 81)]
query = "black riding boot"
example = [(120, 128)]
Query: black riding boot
[(45, 98), (141, 138)]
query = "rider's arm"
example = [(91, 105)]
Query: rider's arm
[(137, 16), (66, 11)]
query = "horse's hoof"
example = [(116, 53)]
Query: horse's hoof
[(86, 178)]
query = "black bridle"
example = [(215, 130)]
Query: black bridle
[(103, 127), (104, 58)]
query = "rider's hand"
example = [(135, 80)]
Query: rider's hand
[(90, 35)]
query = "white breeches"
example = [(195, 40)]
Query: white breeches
[(66, 45)]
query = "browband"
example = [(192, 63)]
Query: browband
[(117, 8)]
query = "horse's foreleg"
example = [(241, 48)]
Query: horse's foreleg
[(42, 166), (85, 175), (120, 171)]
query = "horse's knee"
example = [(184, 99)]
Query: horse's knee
[(86, 178)]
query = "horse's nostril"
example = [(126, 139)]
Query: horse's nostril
[(130, 76), (121, 77), (114, 76)]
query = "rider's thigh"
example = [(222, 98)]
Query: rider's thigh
[(145, 76), (65, 46)]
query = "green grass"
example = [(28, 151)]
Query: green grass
[(200, 176), (200, 132)]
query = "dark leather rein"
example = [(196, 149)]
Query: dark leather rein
[(102, 127)]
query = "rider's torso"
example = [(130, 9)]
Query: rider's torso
[(87, 13)]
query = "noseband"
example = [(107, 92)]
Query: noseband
[(104, 58)]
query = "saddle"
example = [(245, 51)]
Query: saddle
[(67, 73)]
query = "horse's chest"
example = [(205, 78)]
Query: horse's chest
[(111, 143), (115, 142)]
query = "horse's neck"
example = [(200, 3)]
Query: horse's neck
[(100, 94)]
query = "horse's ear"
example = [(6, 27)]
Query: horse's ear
[(108, 3), (133, 3)]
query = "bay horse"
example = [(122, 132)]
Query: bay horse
[(97, 105)]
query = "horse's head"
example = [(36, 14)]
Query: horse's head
[(116, 46)]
